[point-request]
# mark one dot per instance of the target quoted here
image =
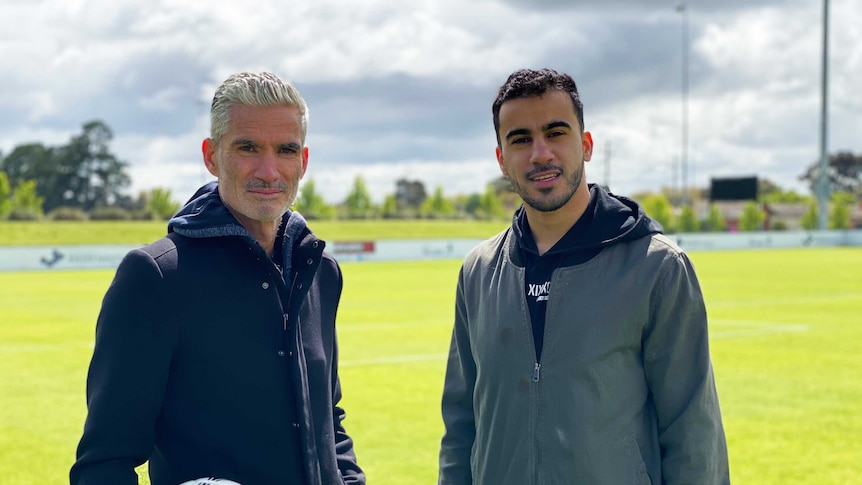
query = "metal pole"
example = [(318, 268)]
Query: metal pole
[(683, 162), (823, 188)]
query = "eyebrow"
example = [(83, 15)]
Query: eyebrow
[(245, 141), (556, 124), (517, 132), (547, 127), (290, 146)]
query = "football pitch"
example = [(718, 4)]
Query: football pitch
[(785, 332)]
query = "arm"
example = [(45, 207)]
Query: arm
[(457, 402), (680, 378), (127, 376), (344, 455)]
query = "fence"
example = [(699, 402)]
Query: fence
[(53, 258)]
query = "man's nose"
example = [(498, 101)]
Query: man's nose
[(541, 152), (267, 167)]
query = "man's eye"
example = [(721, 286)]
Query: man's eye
[(521, 140), (246, 148), (289, 150), (556, 133)]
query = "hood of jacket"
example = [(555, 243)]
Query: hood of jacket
[(205, 215), (609, 219)]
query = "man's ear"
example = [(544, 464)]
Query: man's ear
[(208, 148), (304, 162), (587, 141), (499, 152)]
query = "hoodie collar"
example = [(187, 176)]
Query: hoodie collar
[(205, 215), (609, 219)]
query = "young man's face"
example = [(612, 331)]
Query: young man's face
[(259, 162), (542, 150)]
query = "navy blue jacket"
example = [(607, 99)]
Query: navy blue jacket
[(209, 363)]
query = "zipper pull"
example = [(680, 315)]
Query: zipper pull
[(285, 320), (536, 370)]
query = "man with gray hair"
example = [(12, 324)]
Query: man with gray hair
[(216, 355)]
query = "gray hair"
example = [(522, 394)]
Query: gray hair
[(253, 89)]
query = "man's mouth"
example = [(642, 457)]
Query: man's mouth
[(545, 177), (542, 177)]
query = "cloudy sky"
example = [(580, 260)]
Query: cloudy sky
[(403, 89)]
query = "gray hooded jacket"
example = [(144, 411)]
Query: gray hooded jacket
[(624, 390)]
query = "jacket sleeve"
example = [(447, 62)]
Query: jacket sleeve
[(457, 402), (679, 374), (127, 375), (345, 457), (344, 454)]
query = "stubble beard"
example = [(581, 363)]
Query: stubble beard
[(548, 202)]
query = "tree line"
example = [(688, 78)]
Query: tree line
[(83, 179)]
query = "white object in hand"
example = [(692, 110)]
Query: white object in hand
[(210, 481)]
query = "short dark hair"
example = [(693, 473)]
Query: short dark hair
[(525, 83)]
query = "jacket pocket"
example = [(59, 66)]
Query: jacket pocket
[(636, 462)]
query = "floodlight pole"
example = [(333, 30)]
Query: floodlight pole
[(683, 160), (822, 185)]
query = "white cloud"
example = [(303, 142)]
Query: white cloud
[(403, 89)]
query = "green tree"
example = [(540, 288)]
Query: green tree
[(839, 214), (490, 205), (470, 203), (771, 193), (25, 199), (437, 205), (160, 202), (844, 173), (752, 217), (389, 209), (658, 207), (5, 196), (311, 204), (83, 174), (358, 202), (687, 220), (32, 161), (809, 220), (714, 221)]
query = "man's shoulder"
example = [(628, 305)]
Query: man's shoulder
[(489, 251), (165, 251), (165, 245), (662, 244)]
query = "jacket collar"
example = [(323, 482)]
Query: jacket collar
[(205, 216)]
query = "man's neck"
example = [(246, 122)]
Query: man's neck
[(264, 232), (265, 235), (549, 227)]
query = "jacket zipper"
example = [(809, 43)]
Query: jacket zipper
[(537, 369), (289, 298)]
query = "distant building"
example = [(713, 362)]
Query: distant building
[(785, 215)]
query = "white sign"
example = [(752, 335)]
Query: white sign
[(22, 258)]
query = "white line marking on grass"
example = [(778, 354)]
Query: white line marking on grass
[(750, 328), (395, 359)]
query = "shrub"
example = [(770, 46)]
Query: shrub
[(143, 215), (109, 214), (24, 214), (67, 214)]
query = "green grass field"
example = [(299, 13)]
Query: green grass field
[(786, 334), (138, 232)]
